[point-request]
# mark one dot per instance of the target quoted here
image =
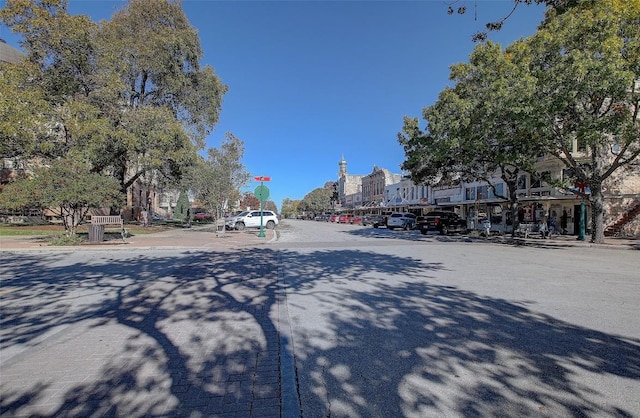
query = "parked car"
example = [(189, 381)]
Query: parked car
[(333, 218), (251, 219), (345, 218), (202, 216), (375, 220), (322, 218), (357, 220), (404, 220), (442, 221)]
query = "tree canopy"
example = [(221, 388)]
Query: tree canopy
[(587, 65), (576, 79), (289, 207), (127, 95), (461, 7), (249, 201), (317, 201), (477, 129), (67, 187), (216, 181)]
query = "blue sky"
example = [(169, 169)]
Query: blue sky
[(312, 81)]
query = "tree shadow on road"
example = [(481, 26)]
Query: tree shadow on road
[(199, 334), (374, 346), (138, 335)]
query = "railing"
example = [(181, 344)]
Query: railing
[(617, 228)]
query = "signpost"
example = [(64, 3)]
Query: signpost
[(262, 193), (581, 186)]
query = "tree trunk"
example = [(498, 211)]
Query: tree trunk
[(69, 222), (598, 157), (597, 213), (513, 199)]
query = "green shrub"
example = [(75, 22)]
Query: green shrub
[(63, 240)]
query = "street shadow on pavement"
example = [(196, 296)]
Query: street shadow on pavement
[(196, 334), (383, 347), (139, 335)]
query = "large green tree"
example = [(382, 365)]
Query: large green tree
[(584, 66), (128, 95), (289, 207), (317, 201), (24, 113), (216, 181), (66, 187), (182, 206), (477, 129), (586, 62)]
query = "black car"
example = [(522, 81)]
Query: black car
[(441, 221)]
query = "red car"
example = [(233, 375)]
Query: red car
[(357, 219), (202, 216), (345, 218), (333, 218)]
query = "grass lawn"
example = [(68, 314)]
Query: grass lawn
[(8, 230)]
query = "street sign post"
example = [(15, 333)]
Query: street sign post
[(262, 193), (581, 187)]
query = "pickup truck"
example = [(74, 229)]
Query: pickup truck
[(441, 221)]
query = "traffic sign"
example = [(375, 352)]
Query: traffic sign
[(262, 178), (262, 192)]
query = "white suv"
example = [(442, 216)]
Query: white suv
[(251, 219), (401, 220)]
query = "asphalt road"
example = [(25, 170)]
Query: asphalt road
[(394, 324), (326, 321)]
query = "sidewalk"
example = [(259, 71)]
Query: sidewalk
[(570, 241), (127, 333), (204, 237)]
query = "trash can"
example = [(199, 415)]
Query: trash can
[(220, 227), (96, 233)]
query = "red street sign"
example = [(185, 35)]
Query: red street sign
[(262, 178)]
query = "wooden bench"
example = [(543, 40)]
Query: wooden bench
[(107, 220), (110, 220), (524, 229)]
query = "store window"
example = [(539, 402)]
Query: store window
[(582, 145), (536, 183), (483, 192), (470, 193), (499, 191), (541, 180), (568, 174), (522, 182)]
